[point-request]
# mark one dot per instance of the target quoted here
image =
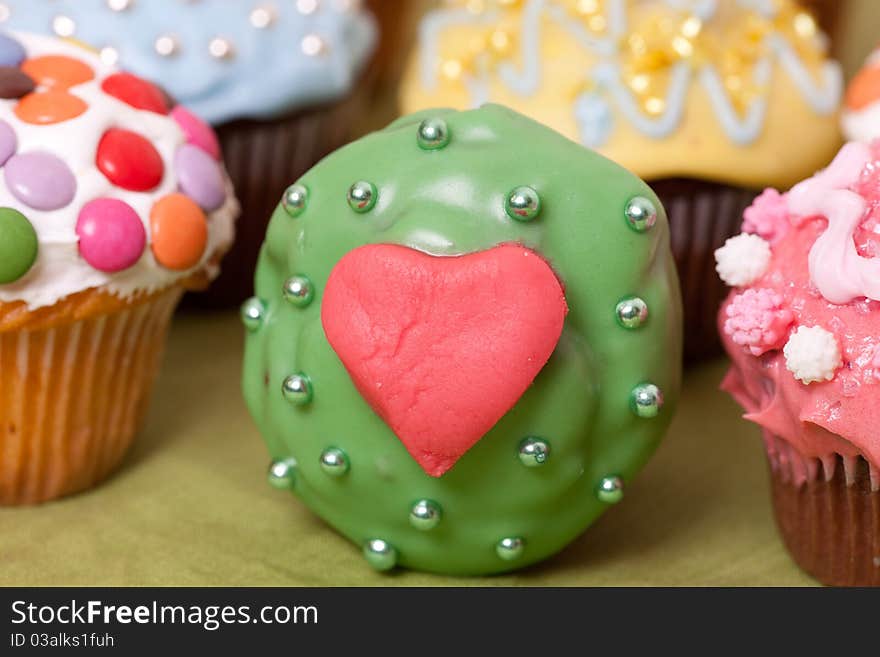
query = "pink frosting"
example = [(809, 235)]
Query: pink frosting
[(820, 274), (767, 216)]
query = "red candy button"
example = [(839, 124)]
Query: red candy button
[(47, 107), (180, 232), (136, 92), (129, 161), (57, 71)]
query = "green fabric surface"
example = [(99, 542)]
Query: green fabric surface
[(191, 505)]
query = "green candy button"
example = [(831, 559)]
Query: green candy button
[(18, 245)]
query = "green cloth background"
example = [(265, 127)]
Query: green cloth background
[(191, 505)]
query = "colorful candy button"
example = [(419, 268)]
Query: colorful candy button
[(14, 83), (8, 142), (40, 180), (12, 53), (136, 92), (129, 161), (111, 235), (47, 107), (18, 245), (58, 71), (180, 232), (198, 133), (200, 177)]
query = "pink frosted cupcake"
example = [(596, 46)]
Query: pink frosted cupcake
[(802, 326)]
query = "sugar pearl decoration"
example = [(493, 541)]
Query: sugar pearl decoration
[(425, 515), (533, 452), (109, 55), (641, 214), (295, 199), (523, 204), (282, 473), (812, 354), (119, 5), (299, 291), (433, 134), (510, 548), (610, 490), (306, 7), (380, 554), (166, 45), (632, 312), (252, 313), (263, 17), (221, 48), (362, 196), (743, 259), (334, 462), (63, 26), (297, 389), (312, 45), (646, 400)]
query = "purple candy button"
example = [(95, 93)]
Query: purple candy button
[(11, 51), (40, 180), (200, 177), (8, 142)]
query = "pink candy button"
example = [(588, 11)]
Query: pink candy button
[(198, 133), (111, 235)]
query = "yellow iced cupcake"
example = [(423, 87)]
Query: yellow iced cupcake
[(708, 100)]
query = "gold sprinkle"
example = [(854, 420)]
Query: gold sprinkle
[(691, 27), (682, 46), (805, 25), (451, 69), (655, 106), (597, 23)]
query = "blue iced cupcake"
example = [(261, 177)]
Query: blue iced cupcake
[(281, 82)]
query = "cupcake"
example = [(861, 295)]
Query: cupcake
[(708, 102), (280, 81), (466, 340), (802, 327), (112, 203), (861, 109)]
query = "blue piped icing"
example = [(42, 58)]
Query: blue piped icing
[(269, 57)]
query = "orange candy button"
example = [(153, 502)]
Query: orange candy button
[(180, 232), (864, 89), (46, 107), (57, 71)]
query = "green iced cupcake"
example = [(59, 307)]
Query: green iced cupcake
[(466, 339)]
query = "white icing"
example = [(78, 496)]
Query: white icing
[(823, 95), (59, 270), (862, 125), (743, 259), (812, 354)]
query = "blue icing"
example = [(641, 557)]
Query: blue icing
[(594, 118), (268, 75)]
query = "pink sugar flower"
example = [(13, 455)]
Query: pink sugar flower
[(758, 320), (767, 216)]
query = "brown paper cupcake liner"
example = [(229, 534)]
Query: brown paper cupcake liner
[(702, 215), (73, 395), (828, 512), (263, 158)]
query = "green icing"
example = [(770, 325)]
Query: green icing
[(448, 201)]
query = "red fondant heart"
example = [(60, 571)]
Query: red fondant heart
[(442, 347)]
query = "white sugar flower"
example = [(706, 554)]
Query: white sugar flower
[(743, 259), (812, 354)]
